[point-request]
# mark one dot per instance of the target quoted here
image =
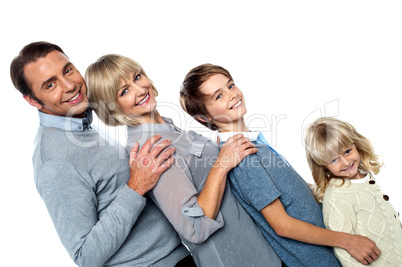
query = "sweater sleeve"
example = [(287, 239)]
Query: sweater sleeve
[(70, 197), (176, 196), (339, 215)]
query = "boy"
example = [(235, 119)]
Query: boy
[(278, 199)]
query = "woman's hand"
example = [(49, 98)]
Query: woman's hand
[(147, 165), (234, 151)]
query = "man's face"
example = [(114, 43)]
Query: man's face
[(58, 84)]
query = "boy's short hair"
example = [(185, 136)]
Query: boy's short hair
[(191, 98)]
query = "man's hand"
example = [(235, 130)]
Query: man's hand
[(147, 165)]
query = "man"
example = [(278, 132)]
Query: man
[(94, 195)]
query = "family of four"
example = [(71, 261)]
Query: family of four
[(176, 198)]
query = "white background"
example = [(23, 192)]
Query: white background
[(293, 60)]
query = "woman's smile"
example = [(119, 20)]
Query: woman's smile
[(144, 101)]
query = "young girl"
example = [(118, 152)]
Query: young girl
[(342, 162), (193, 193), (278, 199)]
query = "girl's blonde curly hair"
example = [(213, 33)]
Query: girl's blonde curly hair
[(328, 137)]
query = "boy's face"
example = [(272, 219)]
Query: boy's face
[(58, 84), (224, 101)]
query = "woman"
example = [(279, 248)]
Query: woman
[(193, 194)]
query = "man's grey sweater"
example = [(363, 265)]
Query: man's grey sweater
[(101, 221)]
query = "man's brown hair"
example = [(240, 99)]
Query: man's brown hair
[(30, 53)]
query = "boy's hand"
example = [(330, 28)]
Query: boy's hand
[(234, 151), (362, 249)]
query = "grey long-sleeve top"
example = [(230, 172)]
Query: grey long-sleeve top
[(232, 239), (101, 221)]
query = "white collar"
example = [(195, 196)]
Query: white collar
[(361, 180), (223, 137)]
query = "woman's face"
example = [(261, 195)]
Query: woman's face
[(225, 101), (136, 96)]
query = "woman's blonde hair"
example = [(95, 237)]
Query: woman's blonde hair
[(326, 138), (104, 79)]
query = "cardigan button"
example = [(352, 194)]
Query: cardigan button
[(371, 182), (386, 198)]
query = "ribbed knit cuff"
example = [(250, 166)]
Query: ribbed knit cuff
[(131, 200)]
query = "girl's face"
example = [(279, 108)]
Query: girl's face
[(346, 164), (224, 101), (136, 96)]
